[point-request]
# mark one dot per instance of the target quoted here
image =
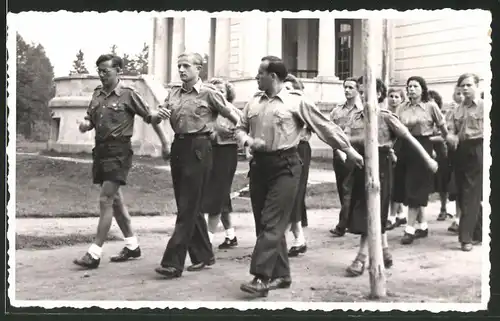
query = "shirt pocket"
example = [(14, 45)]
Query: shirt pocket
[(201, 108), (118, 112), (474, 122)]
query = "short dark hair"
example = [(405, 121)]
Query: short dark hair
[(353, 79), (425, 90), (468, 75), (230, 91), (115, 60), (277, 66), (434, 95), (380, 87), (197, 58), (296, 83)]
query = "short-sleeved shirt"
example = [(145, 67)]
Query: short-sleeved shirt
[(467, 120), (421, 118), (224, 128), (389, 128), (280, 121), (341, 114), (193, 111), (112, 114)]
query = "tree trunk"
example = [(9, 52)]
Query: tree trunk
[(376, 270)]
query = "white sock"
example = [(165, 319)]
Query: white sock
[(423, 226), (410, 229), (230, 233), (392, 219), (457, 220), (95, 251), (211, 237), (131, 242), (300, 238), (401, 215)]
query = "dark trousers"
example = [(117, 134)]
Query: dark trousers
[(299, 213), (274, 178), (469, 181), (191, 163), (341, 172)]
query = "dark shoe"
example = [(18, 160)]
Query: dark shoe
[(296, 250), (200, 266), (442, 216), (407, 239), (466, 247), (338, 232), (126, 254), (169, 272), (390, 226), (387, 258), (228, 243), (356, 268), (280, 283), (257, 286), (476, 242), (87, 261), (421, 233), (401, 221), (453, 227)]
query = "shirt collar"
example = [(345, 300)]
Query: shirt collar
[(282, 95), (117, 90), (475, 101), (196, 87), (358, 104)]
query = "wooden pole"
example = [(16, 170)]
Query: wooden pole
[(377, 275), (385, 52), (211, 50)]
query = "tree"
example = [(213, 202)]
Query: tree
[(204, 70), (113, 50), (79, 64), (128, 66), (34, 89), (141, 61)]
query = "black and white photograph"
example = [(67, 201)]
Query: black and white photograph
[(250, 160)]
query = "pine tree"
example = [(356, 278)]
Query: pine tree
[(141, 61), (79, 64), (113, 50), (128, 66)]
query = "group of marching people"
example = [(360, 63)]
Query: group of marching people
[(275, 127)]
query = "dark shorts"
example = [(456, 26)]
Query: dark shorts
[(216, 198), (112, 161), (358, 211)]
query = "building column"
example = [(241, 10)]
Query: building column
[(275, 37), (222, 55), (212, 45), (178, 46), (326, 49), (158, 51)]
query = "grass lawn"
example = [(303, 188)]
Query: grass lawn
[(55, 188)]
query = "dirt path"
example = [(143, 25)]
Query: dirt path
[(431, 270)]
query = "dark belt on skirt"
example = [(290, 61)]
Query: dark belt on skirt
[(471, 142), (113, 140), (192, 135)]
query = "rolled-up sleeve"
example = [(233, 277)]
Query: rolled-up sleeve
[(242, 127), (326, 130), (450, 123), (139, 106), (90, 113), (395, 125)]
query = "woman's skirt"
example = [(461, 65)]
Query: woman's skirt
[(358, 211), (299, 213), (443, 175), (216, 198), (415, 179), (398, 194)]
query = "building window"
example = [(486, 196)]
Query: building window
[(343, 47)]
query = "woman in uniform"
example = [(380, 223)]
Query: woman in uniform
[(420, 116), (298, 219), (217, 199), (389, 128)]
